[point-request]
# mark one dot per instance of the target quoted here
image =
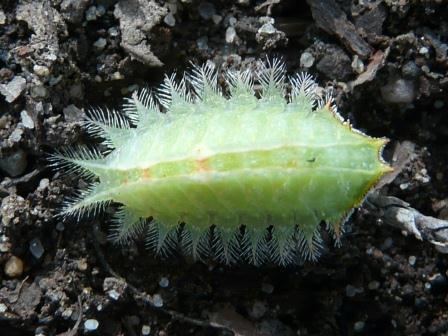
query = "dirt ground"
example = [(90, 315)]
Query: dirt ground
[(387, 62)]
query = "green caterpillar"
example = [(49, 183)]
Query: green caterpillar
[(234, 178)]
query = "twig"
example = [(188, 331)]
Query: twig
[(395, 212), (146, 298), (74, 330), (269, 4)]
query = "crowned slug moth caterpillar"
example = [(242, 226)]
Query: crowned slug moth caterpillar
[(227, 175)]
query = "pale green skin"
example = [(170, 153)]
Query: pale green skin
[(242, 161)]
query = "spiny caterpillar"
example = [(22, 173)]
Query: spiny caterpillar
[(233, 177)]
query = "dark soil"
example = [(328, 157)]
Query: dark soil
[(387, 63)]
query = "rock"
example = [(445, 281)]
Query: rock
[(14, 267), (41, 70), (73, 10), (14, 164), (306, 60), (399, 91), (26, 120), (335, 64), (230, 34), (36, 248), (91, 325), (206, 10), (170, 20), (164, 282), (100, 43), (2, 17), (13, 89), (157, 300)]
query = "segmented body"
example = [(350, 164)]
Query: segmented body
[(210, 165)]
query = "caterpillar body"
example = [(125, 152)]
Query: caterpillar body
[(233, 176)]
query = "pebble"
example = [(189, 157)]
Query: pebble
[(113, 31), (157, 300), (267, 29), (259, 308), (438, 104), (39, 91), (16, 135), (410, 69), (387, 244), (267, 288), (412, 260), (359, 326), (91, 13), (373, 285), (3, 308), (91, 324), (358, 65), (13, 89), (351, 290), (202, 43), (146, 330), (170, 20), (113, 294), (2, 17), (41, 70), (206, 10), (72, 113), (306, 60), (230, 34), (27, 121), (100, 43), (15, 164), (14, 267), (36, 248), (399, 91), (164, 282), (216, 19), (423, 50)]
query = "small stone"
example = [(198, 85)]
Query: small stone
[(267, 288), (359, 326), (15, 164), (259, 308), (3, 308), (39, 91), (438, 104), (387, 244), (82, 264), (351, 291), (91, 13), (306, 60), (357, 65), (100, 10), (14, 267), (373, 285), (157, 300), (100, 43), (423, 50), (202, 43), (16, 135), (36, 248), (230, 34), (72, 113), (113, 294), (2, 17), (164, 282), (206, 10), (267, 29), (146, 330), (113, 31), (41, 70), (27, 121), (170, 20), (410, 69), (216, 19), (91, 325), (398, 91), (60, 226), (13, 89), (412, 260)]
